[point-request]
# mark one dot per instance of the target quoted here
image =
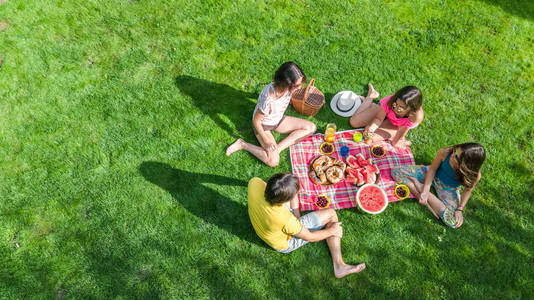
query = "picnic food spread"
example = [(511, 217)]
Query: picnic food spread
[(372, 199), (360, 170), (325, 170)]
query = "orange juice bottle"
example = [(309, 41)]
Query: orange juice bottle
[(330, 132)]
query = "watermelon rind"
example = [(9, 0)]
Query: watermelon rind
[(383, 193)]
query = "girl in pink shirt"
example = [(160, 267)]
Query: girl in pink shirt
[(392, 119), (269, 115)]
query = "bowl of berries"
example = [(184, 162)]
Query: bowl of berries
[(326, 148), (378, 151), (322, 201), (402, 191)]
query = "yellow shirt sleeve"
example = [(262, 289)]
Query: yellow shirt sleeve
[(292, 226)]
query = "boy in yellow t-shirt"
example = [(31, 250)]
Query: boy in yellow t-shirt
[(278, 226)]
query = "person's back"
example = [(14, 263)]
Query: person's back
[(273, 223)]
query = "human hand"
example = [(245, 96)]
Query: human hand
[(423, 197), (459, 218), (335, 229), (271, 146), (401, 144)]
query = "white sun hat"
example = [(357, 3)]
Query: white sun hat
[(345, 103)]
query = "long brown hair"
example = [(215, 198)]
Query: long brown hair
[(410, 95), (286, 76), (469, 163)]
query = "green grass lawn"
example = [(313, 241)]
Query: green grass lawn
[(114, 118)]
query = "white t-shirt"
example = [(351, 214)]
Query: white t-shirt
[(273, 108)]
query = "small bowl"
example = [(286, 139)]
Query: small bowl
[(327, 202), (357, 137), (402, 187), (324, 144), (378, 147)]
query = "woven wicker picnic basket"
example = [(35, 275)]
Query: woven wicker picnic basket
[(308, 101)]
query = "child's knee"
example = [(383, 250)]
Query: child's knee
[(332, 215), (273, 160)]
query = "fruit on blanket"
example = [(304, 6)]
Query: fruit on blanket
[(365, 162), (402, 191), (364, 170), (360, 180), (378, 151), (322, 201), (360, 159), (372, 199), (371, 168), (370, 177), (351, 179), (352, 162), (352, 171), (326, 148)]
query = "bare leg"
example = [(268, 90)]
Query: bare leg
[(269, 158), (297, 129), (434, 209), (341, 269), (372, 93), (368, 100), (364, 115)]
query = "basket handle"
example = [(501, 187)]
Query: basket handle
[(312, 82)]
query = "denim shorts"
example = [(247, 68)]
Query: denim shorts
[(312, 222)]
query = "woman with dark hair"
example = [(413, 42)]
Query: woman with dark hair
[(453, 167), (395, 115), (269, 115)]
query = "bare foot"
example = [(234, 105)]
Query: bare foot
[(372, 94), (236, 146), (344, 270)]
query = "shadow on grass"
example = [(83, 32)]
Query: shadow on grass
[(204, 202), (215, 99), (523, 9)]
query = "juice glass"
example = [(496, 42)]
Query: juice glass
[(330, 132)]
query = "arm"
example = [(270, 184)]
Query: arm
[(375, 123), (294, 204), (431, 173), (270, 143), (401, 133), (415, 118), (466, 194), (332, 229)]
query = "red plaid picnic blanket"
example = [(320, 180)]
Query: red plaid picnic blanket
[(343, 194)]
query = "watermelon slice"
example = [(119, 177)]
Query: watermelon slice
[(370, 178), (352, 162), (360, 180), (372, 199), (371, 168), (351, 179), (360, 159)]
